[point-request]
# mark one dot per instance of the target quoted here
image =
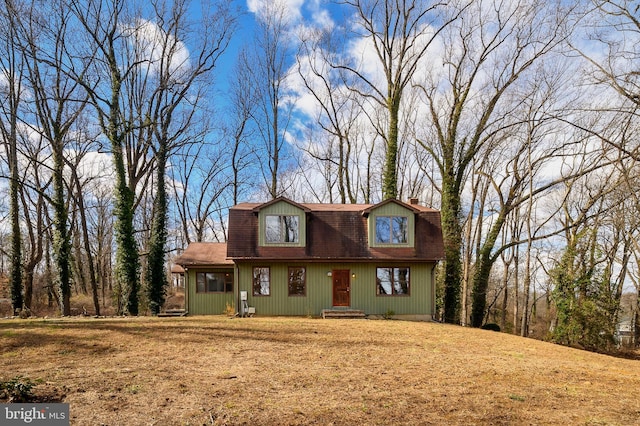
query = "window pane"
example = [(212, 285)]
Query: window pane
[(215, 282), (290, 228), (399, 230), (383, 232), (401, 280), (272, 229), (228, 283), (383, 281), (297, 282), (200, 283), (261, 282)]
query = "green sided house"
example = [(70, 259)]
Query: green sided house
[(288, 258)]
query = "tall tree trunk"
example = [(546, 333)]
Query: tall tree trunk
[(481, 278), (524, 327), (505, 297), (61, 236), (156, 276), (452, 234), (93, 274), (15, 267), (12, 72), (390, 176)]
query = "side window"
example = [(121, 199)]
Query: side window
[(297, 281), (214, 282), (261, 281)]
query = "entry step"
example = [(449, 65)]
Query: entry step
[(343, 313)]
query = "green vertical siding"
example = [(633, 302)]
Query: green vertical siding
[(320, 286), (318, 297), (206, 303)]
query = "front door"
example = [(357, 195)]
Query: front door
[(341, 287)]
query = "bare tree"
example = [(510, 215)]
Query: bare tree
[(36, 181), (167, 81), (486, 52), (79, 192), (267, 63), (57, 102), (238, 131), (337, 115), (11, 87), (400, 35), (103, 23), (200, 179)]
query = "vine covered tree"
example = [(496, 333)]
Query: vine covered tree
[(11, 87)]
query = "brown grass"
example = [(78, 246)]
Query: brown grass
[(287, 371)]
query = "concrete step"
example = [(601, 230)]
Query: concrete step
[(173, 313), (343, 313)]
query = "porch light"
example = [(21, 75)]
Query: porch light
[(353, 275), (329, 273)]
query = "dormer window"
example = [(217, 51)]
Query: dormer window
[(391, 229), (282, 229)]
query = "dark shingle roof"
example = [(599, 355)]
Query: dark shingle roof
[(334, 232)]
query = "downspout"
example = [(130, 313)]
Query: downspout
[(433, 290), (236, 286), (186, 290)]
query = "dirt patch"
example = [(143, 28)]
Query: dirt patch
[(287, 371)]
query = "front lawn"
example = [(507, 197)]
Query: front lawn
[(264, 371)]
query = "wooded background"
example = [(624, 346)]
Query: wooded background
[(131, 127)]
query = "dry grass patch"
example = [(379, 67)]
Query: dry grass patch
[(262, 371)]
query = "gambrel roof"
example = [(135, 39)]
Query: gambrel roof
[(335, 232)]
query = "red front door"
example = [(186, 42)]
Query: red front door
[(341, 287)]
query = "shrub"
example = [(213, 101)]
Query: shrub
[(229, 309), (18, 389), (491, 326)]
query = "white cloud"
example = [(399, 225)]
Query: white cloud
[(292, 8), (153, 45), (322, 19)]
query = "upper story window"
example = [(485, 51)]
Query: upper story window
[(281, 229), (391, 229)]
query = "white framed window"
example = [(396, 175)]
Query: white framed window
[(282, 229), (391, 229)]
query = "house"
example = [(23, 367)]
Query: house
[(177, 276), (289, 258)]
